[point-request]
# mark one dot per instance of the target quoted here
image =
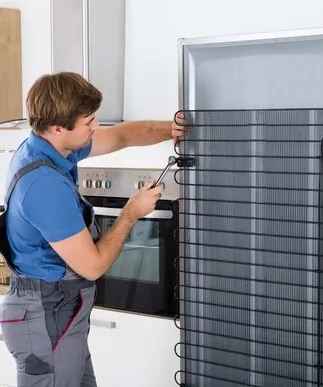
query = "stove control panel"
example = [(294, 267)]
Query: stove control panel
[(120, 182), (105, 184)]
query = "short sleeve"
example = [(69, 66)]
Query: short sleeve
[(83, 153), (52, 206)]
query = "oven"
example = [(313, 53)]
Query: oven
[(144, 277)]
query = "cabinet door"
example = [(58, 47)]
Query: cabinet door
[(106, 53), (88, 37), (8, 375), (67, 36), (10, 65), (138, 351)]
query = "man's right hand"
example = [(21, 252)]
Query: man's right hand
[(143, 201)]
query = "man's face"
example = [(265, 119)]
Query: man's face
[(82, 133)]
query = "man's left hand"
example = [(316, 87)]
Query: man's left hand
[(179, 128)]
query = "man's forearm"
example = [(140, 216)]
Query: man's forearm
[(138, 133), (111, 243)]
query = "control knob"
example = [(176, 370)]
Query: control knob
[(106, 184), (98, 184), (87, 183), (139, 184)]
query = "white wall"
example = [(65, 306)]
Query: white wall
[(35, 34), (153, 28)]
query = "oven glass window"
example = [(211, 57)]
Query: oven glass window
[(139, 258)]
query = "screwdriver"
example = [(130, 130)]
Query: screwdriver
[(172, 160)]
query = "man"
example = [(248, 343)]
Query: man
[(55, 253)]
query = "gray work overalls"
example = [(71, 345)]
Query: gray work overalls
[(45, 324)]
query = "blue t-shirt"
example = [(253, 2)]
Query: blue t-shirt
[(44, 207)]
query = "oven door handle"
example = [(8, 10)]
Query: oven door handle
[(157, 214)]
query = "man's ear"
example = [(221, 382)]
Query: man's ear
[(55, 130)]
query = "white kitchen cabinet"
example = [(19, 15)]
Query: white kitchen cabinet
[(88, 37), (8, 376), (10, 140), (130, 349)]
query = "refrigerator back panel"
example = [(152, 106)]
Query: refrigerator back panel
[(251, 249), (252, 72)]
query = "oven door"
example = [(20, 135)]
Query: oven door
[(143, 277)]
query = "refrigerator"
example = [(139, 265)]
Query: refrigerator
[(250, 235)]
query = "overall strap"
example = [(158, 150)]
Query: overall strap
[(26, 169)]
